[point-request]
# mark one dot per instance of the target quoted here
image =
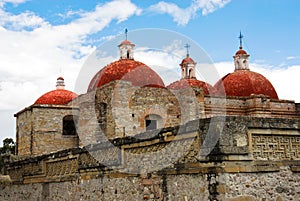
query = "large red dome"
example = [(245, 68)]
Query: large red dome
[(245, 83), (56, 97), (136, 72), (186, 82)]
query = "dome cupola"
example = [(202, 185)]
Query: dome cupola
[(126, 48), (243, 82), (60, 96), (241, 57), (188, 65), (127, 69), (188, 75)]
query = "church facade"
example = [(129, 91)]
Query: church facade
[(130, 137)]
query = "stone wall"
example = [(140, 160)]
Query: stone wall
[(126, 108), (171, 164), (268, 186), (40, 130), (280, 185), (254, 105)]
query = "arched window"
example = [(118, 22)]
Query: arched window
[(153, 121), (128, 54), (190, 73), (69, 125)]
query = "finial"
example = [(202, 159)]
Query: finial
[(60, 83), (126, 31), (187, 46), (241, 40)]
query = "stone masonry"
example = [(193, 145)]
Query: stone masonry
[(233, 170)]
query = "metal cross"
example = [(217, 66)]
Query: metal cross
[(126, 31), (241, 39), (187, 46)]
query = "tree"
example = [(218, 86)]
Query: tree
[(8, 146)]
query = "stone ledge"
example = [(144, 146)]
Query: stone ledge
[(295, 168)]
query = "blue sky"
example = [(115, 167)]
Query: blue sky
[(44, 39)]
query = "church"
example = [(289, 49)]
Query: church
[(131, 137)]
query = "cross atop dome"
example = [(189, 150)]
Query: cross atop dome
[(126, 32), (187, 46), (241, 40), (241, 56), (126, 48)]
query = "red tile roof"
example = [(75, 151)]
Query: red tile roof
[(245, 83), (185, 83), (136, 72), (56, 97)]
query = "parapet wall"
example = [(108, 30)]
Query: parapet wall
[(232, 158)]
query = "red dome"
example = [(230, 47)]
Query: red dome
[(126, 42), (241, 51), (56, 97), (187, 60), (129, 70), (245, 83), (185, 83)]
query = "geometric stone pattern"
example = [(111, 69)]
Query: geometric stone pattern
[(108, 156), (33, 169), (15, 174), (276, 147), (62, 167), (156, 157)]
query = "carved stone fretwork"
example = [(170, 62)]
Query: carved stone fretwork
[(62, 167), (33, 169), (275, 147), (15, 174), (86, 160), (105, 156)]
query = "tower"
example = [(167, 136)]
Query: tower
[(241, 57), (126, 48), (188, 66)]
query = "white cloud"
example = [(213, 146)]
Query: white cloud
[(15, 2), (26, 20), (183, 15), (209, 6), (33, 52), (292, 58), (285, 80)]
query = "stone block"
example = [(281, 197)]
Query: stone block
[(241, 198)]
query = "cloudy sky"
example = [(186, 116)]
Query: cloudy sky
[(43, 39)]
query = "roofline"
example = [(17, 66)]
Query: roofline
[(45, 106)]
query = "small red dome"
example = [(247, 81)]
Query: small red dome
[(187, 60), (56, 97), (245, 83), (136, 72), (185, 83), (241, 51), (125, 42)]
